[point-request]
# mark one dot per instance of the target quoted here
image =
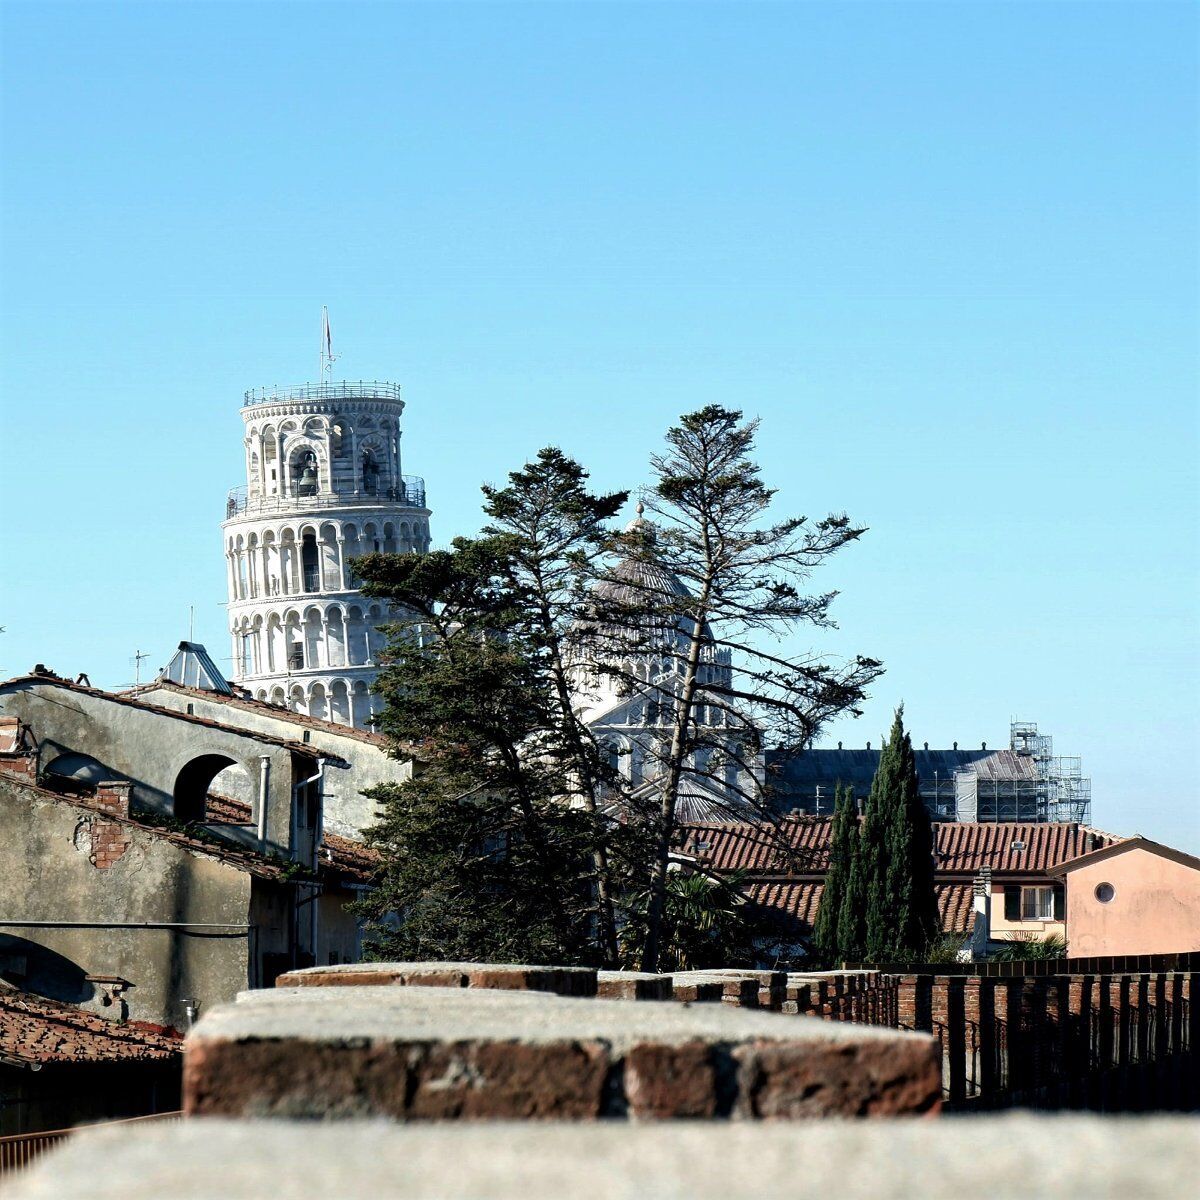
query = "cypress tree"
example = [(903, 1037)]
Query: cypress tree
[(842, 837), (852, 912), (908, 882), (897, 856)]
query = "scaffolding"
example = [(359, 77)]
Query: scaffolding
[(1066, 793)]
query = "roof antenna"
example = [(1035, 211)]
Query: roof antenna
[(138, 655), (191, 622)]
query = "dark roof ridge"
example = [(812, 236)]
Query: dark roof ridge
[(235, 856), (125, 698), (1136, 842), (251, 703)]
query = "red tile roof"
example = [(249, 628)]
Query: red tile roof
[(800, 846), (36, 1030), (352, 860), (343, 856), (797, 902)]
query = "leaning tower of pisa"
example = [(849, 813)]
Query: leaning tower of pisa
[(323, 485)]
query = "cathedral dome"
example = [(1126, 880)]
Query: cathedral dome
[(639, 581)]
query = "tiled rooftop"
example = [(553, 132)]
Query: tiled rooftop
[(351, 861), (36, 1030), (800, 846)]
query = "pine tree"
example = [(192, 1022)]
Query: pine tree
[(897, 856), (843, 836), (743, 591)]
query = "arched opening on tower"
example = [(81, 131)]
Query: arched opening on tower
[(200, 776), (304, 474), (370, 472), (310, 561)]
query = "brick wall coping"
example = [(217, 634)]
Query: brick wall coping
[(1100, 1158), (413, 1053), (317, 1015), (566, 981)]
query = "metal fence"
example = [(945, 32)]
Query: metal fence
[(411, 494), (18, 1151), (364, 389)]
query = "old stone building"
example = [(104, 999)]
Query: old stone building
[(129, 882), (355, 759), (323, 484)]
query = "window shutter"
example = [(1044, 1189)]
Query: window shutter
[(1012, 902), (1060, 902)]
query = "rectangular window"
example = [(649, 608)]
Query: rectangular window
[(1037, 904)]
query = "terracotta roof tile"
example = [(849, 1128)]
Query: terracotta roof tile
[(36, 1030), (800, 845), (797, 902), (356, 862)]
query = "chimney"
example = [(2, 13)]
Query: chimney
[(956, 745), (983, 745), (113, 797)]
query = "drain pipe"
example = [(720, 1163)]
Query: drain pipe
[(318, 832), (264, 780)]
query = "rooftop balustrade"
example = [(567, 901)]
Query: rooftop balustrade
[(373, 389), (410, 494)]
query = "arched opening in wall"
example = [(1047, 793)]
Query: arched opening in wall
[(310, 563), (370, 472), (317, 702), (306, 480), (192, 785), (230, 796), (76, 773)]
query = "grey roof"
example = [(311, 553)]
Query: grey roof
[(792, 773), (193, 666)]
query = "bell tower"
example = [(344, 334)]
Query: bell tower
[(323, 485)]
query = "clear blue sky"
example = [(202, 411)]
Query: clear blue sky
[(948, 253)]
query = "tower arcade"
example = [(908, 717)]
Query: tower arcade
[(323, 485)]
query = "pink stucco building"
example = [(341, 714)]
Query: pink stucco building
[(1133, 897)]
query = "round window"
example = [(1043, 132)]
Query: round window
[(1105, 892)]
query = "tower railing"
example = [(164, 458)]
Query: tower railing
[(372, 389), (410, 493)]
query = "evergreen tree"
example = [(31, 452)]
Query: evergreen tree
[(742, 594), (852, 913), (897, 845), (484, 855), (826, 938)]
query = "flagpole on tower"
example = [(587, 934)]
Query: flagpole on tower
[(327, 356)]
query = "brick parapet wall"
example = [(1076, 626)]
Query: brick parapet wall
[(1110, 1042), (1105, 1041)]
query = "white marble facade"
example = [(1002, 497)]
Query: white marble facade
[(323, 485)]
